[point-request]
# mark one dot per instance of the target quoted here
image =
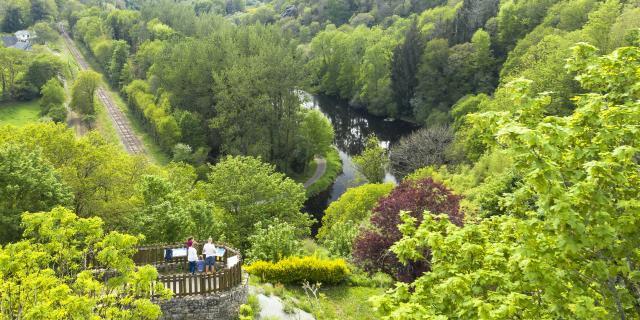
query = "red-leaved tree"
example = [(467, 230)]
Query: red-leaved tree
[(371, 247)]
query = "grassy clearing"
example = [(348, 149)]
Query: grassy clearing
[(334, 168), (19, 113), (334, 302), (153, 150)]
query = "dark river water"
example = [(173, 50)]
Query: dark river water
[(352, 127)]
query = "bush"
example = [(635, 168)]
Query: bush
[(371, 246), (274, 242), (354, 205), (295, 270), (246, 312), (360, 278)]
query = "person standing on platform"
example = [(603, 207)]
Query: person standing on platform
[(209, 251), (192, 257)]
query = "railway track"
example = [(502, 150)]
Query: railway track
[(130, 141)]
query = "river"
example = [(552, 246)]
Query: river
[(352, 127)]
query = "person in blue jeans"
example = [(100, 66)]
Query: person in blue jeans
[(192, 257), (209, 251)]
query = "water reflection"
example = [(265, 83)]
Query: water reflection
[(352, 127)]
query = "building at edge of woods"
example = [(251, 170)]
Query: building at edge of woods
[(20, 40)]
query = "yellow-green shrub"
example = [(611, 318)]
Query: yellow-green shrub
[(299, 269)]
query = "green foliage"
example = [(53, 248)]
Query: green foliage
[(298, 269), (12, 63), (117, 62), (484, 185), (246, 312), (45, 33), (339, 238), (100, 176), (355, 205), (83, 92), (274, 242), (155, 114), (317, 132), (573, 220), (372, 163), (41, 69), (361, 278), (258, 110), (48, 275), (53, 97), (28, 183), (250, 191), (15, 16)]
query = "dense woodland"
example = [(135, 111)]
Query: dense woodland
[(518, 197)]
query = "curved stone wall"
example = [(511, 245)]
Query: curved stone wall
[(218, 306)]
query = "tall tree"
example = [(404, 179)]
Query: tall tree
[(404, 66), (14, 18), (52, 96), (118, 60), (27, 183), (42, 68), (83, 92), (372, 163), (251, 191), (12, 63)]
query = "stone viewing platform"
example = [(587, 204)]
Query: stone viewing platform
[(215, 295)]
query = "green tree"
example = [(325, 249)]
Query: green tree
[(568, 249), (118, 60), (42, 68), (52, 96), (343, 217), (83, 92), (28, 183), (600, 22), (317, 132), (12, 63), (102, 177), (372, 163), (44, 33), (404, 66), (274, 242), (15, 17), (48, 275), (251, 191), (353, 205)]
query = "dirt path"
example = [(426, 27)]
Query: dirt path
[(128, 138), (320, 170), (74, 121)]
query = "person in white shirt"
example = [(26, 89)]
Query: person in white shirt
[(209, 251), (192, 257)]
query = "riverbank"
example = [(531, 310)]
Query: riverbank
[(333, 168)]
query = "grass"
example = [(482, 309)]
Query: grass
[(334, 168), (154, 151), (19, 113), (334, 302), (104, 125)]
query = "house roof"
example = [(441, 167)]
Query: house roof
[(9, 41), (22, 45), (22, 33)]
